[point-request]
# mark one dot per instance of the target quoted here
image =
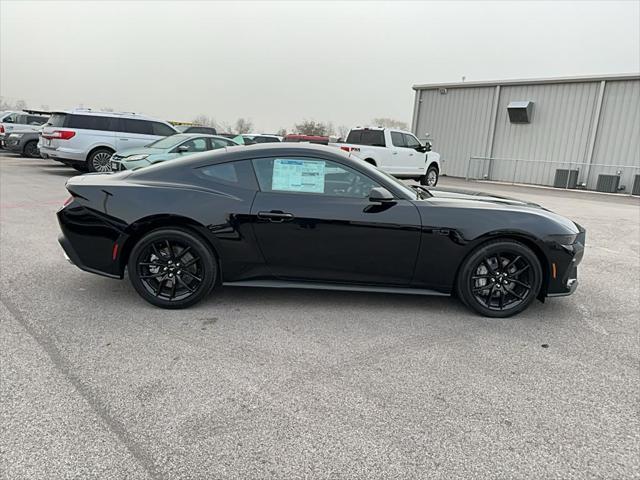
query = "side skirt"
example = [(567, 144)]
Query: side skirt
[(333, 286)]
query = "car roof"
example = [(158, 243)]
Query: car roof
[(88, 111), (258, 150)]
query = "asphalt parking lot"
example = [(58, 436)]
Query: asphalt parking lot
[(95, 383)]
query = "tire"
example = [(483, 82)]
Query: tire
[(503, 291), (98, 160), (30, 149), (431, 178), (172, 268)]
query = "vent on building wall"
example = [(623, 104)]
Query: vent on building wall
[(566, 178), (520, 111), (443, 91)]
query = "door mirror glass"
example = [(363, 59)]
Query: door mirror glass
[(380, 195)]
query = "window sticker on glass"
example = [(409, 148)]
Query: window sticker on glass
[(298, 175)]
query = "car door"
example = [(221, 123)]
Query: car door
[(400, 154), (134, 133), (313, 220), (416, 161), (193, 145)]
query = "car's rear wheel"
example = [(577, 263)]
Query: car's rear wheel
[(500, 278), (172, 268), (98, 160), (430, 179), (31, 149)]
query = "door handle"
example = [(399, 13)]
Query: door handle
[(395, 153), (125, 139), (275, 216)]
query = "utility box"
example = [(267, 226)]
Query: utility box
[(520, 111), (566, 178), (608, 183), (636, 185)]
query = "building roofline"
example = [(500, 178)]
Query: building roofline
[(493, 83)]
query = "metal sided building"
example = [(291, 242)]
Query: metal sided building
[(573, 132)]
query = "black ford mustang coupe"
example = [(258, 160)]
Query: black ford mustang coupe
[(301, 216)]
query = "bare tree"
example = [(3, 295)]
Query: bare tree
[(282, 132), (243, 125), (311, 127), (390, 123), (20, 105), (343, 131), (204, 120)]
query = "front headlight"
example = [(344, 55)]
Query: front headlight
[(134, 158), (564, 239)]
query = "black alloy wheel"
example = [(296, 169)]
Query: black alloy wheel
[(500, 279), (30, 150), (172, 268)]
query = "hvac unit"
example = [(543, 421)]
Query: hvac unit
[(636, 185), (566, 178), (608, 183)]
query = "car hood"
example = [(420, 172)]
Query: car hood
[(463, 196), (139, 151), (455, 198)]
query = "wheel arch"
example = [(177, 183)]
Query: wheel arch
[(527, 240), (24, 147), (99, 147), (371, 161), (145, 225)]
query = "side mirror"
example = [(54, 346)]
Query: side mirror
[(183, 148), (427, 146), (422, 149), (380, 195)]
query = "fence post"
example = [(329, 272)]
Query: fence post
[(468, 168), (515, 170)]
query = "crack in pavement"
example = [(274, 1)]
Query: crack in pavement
[(65, 368)]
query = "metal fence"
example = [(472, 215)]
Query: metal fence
[(568, 175)]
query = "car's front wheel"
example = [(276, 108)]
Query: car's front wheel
[(500, 278), (430, 179), (172, 268), (98, 160)]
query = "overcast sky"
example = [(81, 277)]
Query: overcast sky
[(280, 62)]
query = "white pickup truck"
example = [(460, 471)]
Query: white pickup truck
[(396, 152)]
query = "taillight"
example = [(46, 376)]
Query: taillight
[(1, 128), (346, 149), (60, 134)]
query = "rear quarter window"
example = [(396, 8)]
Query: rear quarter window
[(90, 122), (237, 174)]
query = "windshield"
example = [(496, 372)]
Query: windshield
[(169, 142)]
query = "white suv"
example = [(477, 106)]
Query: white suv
[(85, 139)]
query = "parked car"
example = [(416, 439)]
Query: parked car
[(303, 216), (21, 120), (262, 137), (185, 128), (23, 142), (397, 152), (176, 146), (86, 139), (295, 138), (241, 139)]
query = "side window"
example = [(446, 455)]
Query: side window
[(161, 129), (36, 120), (196, 145), (88, 122), (311, 176), (21, 119), (411, 141), (236, 174), (398, 139), (137, 126), (220, 143)]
